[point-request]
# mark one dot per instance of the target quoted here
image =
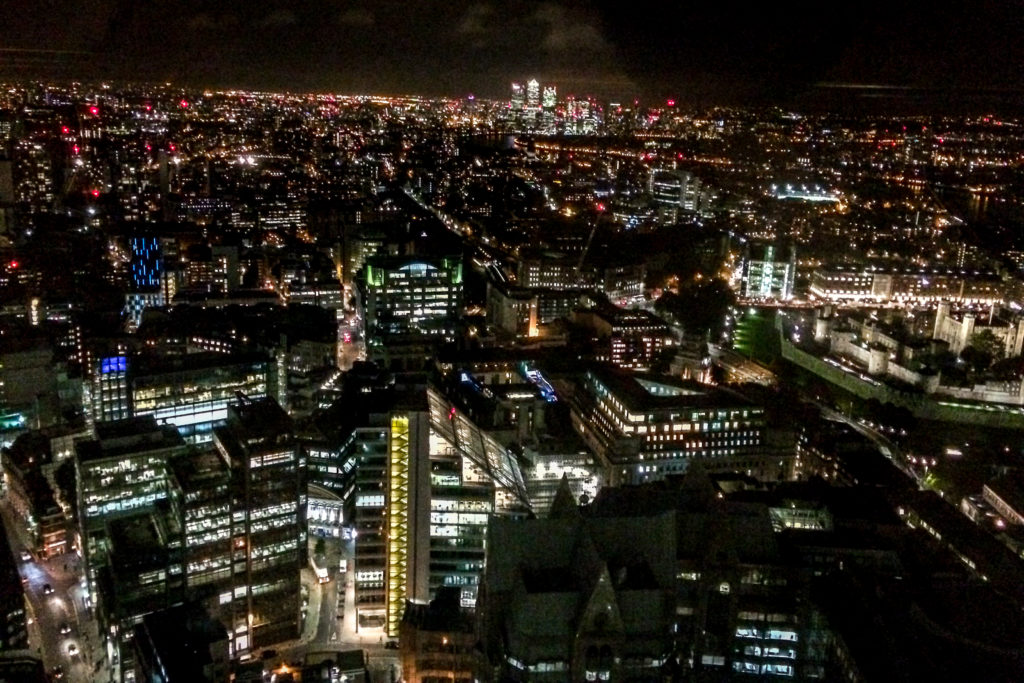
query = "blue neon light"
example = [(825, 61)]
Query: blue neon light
[(114, 364)]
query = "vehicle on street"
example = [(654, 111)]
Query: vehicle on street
[(57, 673), (72, 650), (26, 556), (47, 589), (65, 628)]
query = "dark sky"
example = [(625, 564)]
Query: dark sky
[(707, 50)]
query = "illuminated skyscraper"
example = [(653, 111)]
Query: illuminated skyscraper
[(147, 279), (147, 263), (547, 117), (411, 294), (425, 480), (268, 525), (533, 94), (532, 110), (517, 102)]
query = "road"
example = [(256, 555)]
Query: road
[(326, 632), (885, 446), (50, 611)]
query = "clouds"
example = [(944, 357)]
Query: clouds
[(565, 30), (476, 21), (357, 17), (279, 18), (552, 26)]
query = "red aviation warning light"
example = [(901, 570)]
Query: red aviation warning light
[(671, 103), (94, 110), (183, 103), (65, 130), (96, 193)]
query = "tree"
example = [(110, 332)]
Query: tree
[(977, 359), (987, 342)]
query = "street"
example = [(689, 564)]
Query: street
[(330, 624), (55, 604)]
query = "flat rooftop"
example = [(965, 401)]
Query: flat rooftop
[(641, 391)]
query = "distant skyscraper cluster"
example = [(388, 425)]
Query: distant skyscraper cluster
[(536, 109)]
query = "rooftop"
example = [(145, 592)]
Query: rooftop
[(643, 391)]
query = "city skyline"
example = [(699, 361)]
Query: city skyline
[(950, 56)]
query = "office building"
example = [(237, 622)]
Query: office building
[(422, 480), (645, 427), (189, 391), (147, 279), (200, 498), (143, 574), (919, 285), (146, 264), (416, 294), (676, 192), (109, 396), (769, 272), (122, 473), (268, 525), (549, 99), (517, 103), (543, 269), (532, 102), (627, 338)]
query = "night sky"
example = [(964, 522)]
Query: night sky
[(706, 51)]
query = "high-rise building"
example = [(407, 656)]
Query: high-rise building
[(190, 391), (123, 472), (421, 481), (549, 99), (517, 103), (147, 263), (109, 394), (200, 496), (532, 110), (676, 192), (769, 272), (179, 644), (268, 525), (411, 294), (533, 94)]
